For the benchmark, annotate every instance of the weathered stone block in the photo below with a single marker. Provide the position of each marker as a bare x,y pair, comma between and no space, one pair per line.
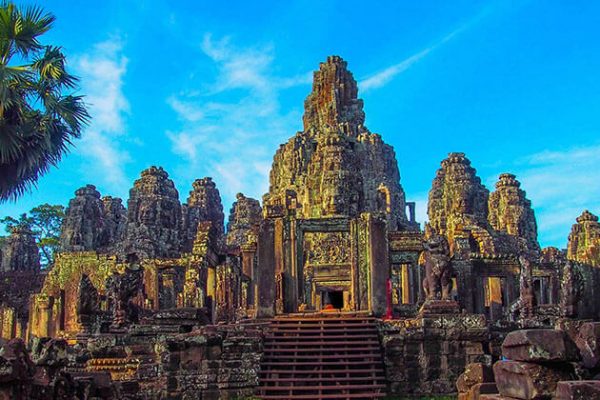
588,342
482,388
527,381
577,390
474,373
539,345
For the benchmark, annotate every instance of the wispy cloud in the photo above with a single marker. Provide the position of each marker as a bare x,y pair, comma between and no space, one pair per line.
384,76
561,184
232,126
102,71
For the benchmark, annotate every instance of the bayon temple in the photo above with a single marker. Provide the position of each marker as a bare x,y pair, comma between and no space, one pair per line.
327,288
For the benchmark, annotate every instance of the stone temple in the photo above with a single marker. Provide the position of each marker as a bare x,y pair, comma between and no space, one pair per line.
328,288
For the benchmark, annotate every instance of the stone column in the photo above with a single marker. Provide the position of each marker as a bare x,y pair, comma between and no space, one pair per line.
380,265
495,297
464,274
406,284
45,304
266,270
248,255
8,321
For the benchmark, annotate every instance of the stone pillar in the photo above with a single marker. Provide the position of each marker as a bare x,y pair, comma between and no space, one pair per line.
167,296
248,256
266,270
380,267
464,274
495,297
8,322
45,305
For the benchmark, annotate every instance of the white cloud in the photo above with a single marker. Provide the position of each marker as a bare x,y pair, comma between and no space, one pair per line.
185,110
384,76
232,126
102,71
560,185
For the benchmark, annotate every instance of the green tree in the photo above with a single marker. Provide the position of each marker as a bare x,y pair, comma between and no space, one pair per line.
45,222
38,120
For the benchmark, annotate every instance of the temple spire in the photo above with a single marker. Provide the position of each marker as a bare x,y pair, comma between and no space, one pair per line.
334,101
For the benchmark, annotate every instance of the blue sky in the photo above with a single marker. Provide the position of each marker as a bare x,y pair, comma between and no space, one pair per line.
210,89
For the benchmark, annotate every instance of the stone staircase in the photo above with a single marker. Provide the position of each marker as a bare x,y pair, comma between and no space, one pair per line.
322,357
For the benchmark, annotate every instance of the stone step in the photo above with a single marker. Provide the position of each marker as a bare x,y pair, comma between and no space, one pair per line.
315,363
364,395
323,330
298,343
268,381
372,372
354,349
320,337
317,357
322,357
322,388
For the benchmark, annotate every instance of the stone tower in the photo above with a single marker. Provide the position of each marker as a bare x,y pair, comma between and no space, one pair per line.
336,166
584,240
83,222
460,206
244,218
153,216
92,223
203,204
458,201
20,252
115,222
510,211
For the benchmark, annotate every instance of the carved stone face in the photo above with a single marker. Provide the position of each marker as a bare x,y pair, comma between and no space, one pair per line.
463,202
332,198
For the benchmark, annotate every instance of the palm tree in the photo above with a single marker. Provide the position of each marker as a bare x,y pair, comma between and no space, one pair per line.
38,120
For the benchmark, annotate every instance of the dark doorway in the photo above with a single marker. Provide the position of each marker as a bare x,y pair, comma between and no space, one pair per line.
335,298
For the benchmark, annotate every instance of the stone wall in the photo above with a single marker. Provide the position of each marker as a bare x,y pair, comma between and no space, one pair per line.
425,356
211,362
54,308
43,373
16,289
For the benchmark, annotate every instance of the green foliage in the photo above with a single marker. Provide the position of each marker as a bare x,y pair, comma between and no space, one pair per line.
37,120
44,221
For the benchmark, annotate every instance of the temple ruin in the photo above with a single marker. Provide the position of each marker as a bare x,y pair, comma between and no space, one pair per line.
162,299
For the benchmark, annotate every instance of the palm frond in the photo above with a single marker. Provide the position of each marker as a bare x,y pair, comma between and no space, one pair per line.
38,122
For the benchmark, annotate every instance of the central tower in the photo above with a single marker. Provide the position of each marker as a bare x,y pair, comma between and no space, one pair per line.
334,194
336,167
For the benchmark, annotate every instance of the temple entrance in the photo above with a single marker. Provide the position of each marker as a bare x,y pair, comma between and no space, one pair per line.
333,299
329,296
